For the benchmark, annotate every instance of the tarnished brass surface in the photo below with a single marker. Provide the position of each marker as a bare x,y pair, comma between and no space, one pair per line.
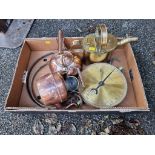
111,93
100,43
94,57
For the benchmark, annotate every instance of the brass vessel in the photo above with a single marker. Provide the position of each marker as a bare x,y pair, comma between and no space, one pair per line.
100,43
105,85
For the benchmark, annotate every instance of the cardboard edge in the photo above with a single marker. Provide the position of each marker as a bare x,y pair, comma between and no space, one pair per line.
122,110
44,38
142,86
13,77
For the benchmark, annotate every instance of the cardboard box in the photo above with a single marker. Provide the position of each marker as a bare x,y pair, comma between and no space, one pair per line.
19,100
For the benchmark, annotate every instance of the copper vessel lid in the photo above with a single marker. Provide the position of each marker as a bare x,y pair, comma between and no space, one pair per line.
111,93
63,60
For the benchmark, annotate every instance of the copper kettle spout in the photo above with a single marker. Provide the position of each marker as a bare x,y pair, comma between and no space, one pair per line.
127,40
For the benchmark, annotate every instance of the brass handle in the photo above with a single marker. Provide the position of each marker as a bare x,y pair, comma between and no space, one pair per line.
101,37
104,34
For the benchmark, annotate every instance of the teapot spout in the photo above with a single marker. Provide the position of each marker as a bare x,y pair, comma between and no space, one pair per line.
127,40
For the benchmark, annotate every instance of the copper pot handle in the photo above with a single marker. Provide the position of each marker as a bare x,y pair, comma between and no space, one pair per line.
60,41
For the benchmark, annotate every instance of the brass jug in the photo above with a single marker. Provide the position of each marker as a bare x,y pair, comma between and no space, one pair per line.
100,43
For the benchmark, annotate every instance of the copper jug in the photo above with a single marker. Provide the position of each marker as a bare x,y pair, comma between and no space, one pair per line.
64,61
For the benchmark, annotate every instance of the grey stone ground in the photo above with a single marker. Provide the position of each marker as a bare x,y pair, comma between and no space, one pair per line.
83,123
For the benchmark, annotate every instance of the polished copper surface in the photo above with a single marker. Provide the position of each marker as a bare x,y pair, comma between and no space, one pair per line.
64,61
52,89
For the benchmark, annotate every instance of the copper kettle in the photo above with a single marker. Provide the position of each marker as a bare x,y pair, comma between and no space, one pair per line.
53,88
64,61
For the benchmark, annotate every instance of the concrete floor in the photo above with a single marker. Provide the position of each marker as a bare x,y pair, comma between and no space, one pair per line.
144,50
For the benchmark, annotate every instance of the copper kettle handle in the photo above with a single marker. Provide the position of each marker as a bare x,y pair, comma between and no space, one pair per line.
60,41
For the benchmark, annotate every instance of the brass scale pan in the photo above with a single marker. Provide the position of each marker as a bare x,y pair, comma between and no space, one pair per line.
111,93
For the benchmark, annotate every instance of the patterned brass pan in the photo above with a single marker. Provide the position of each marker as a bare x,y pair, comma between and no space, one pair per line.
105,85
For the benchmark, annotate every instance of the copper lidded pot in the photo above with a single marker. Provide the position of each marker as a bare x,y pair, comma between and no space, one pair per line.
53,88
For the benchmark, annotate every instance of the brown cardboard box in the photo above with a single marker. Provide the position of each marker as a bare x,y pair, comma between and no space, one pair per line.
19,100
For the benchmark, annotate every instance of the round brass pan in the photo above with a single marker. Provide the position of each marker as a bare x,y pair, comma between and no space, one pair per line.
111,93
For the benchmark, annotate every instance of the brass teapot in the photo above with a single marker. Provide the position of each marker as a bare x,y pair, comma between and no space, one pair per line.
100,43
